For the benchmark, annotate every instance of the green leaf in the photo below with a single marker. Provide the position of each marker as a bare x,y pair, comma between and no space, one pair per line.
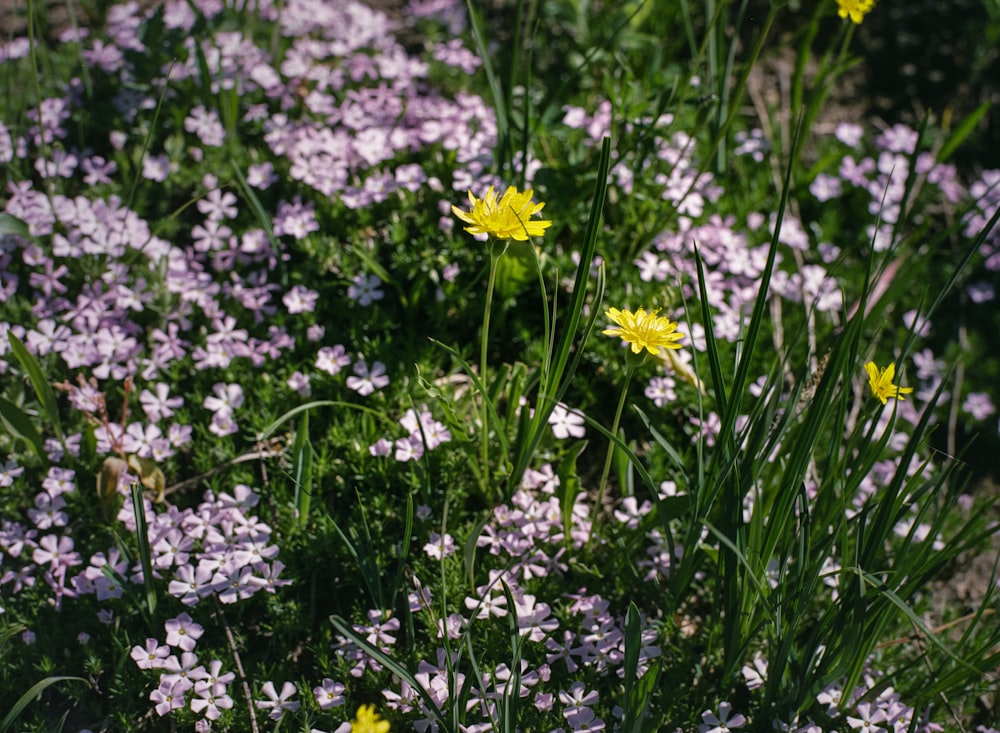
12,225
19,425
33,693
43,390
145,554
961,132
302,454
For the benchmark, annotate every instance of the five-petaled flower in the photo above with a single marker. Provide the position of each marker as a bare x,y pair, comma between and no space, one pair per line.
508,217
856,9
880,381
366,720
642,330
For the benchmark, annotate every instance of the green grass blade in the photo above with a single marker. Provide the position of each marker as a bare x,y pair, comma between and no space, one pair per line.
20,426
964,129
43,390
145,555
33,693
302,455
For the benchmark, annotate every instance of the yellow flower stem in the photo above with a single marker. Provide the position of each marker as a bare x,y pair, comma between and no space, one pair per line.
629,371
496,248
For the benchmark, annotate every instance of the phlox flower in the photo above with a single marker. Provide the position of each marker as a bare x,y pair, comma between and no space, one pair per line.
506,217
183,632
212,698
439,546
228,397
329,694
566,423
721,723
880,382
331,359
48,511
159,405
151,656
367,380
365,289
300,300
57,552
8,472
168,696
867,719
978,405
299,383
277,703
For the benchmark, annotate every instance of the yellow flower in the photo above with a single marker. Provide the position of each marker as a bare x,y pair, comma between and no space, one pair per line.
856,9
366,720
644,330
508,217
880,381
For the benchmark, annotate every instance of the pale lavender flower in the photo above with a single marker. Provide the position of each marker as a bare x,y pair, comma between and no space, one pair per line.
8,472
981,292
849,133
439,546
825,187
156,167
211,698
168,696
368,380
151,656
867,719
160,405
329,694
300,300
566,423
183,632
277,703
661,391
978,405
331,359
228,397
366,289
721,723
206,125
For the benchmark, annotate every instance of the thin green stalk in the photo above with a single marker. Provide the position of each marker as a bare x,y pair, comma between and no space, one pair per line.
497,248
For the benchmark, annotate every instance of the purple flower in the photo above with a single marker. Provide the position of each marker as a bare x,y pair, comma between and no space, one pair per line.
721,723
151,656
566,423
329,694
277,703
205,124
331,359
365,289
300,300
979,405
168,696
368,380
183,632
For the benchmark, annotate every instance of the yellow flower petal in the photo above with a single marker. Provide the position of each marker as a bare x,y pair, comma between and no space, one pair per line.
642,330
508,217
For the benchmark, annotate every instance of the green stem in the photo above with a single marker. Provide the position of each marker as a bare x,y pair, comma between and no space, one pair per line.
496,251
630,370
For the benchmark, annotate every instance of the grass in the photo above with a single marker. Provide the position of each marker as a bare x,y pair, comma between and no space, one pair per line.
283,441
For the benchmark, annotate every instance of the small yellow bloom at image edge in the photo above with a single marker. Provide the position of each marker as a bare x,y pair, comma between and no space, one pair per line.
366,720
855,9
506,217
880,382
